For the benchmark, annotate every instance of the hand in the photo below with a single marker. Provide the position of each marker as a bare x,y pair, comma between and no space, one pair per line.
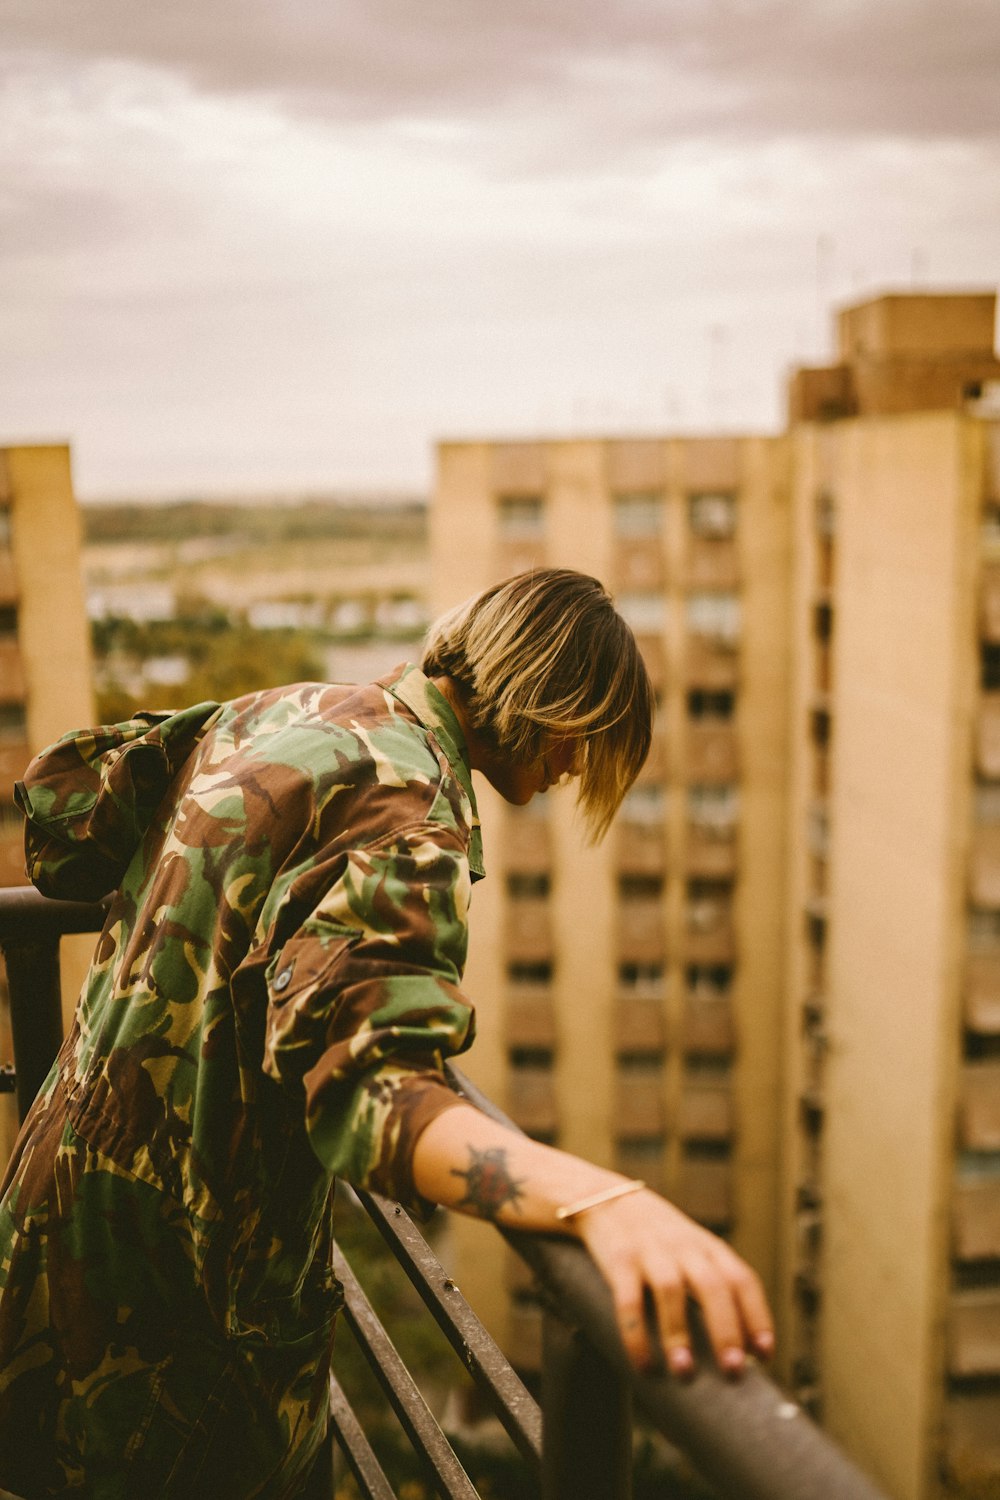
643,1243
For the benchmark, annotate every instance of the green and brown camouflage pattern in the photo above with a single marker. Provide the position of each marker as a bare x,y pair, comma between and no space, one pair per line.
268,1007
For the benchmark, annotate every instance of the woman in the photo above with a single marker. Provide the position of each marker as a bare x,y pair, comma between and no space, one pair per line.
268,1008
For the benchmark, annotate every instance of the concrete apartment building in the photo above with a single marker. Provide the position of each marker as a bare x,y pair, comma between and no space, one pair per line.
774,991
45,680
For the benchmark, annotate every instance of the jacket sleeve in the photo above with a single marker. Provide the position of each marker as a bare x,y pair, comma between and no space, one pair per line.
364,1003
89,798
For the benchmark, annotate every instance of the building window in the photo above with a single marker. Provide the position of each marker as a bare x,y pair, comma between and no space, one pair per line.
642,981
990,528
709,981
645,804
986,802
528,886
638,514
711,703
640,1065
826,514
983,930
521,517
990,660
712,513
714,807
716,614
640,887
5,526
709,904
642,1159
8,621
13,724
645,611
529,975
531,1057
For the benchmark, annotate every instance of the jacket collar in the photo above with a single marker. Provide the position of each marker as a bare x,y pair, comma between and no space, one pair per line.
435,713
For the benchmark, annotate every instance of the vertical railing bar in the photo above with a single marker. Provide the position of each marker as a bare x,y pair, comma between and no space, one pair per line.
513,1403
588,1419
360,1455
446,1472
36,1027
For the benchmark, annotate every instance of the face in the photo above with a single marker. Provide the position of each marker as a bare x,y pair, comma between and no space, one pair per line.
562,757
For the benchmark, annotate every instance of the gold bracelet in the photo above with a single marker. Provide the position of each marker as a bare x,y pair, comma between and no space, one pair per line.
619,1190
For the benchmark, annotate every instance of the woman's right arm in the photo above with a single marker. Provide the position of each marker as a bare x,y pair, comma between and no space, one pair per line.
640,1243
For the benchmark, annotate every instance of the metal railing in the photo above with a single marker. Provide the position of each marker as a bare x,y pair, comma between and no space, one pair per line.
745,1438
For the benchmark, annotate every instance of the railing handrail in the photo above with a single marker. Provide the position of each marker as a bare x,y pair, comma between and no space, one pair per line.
745,1436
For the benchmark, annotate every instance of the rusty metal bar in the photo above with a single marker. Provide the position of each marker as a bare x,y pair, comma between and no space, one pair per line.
588,1419
365,1467
418,1422
513,1403
33,969
29,940
745,1437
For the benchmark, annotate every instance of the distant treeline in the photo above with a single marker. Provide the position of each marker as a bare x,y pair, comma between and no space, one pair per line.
258,523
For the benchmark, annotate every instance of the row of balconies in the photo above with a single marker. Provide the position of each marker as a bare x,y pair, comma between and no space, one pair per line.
709,562
709,935
704,1111
8,578
705,1028
13,686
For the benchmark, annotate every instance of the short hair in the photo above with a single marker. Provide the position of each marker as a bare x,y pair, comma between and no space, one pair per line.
547,652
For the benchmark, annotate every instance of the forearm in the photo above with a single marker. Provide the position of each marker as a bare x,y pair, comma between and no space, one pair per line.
468,1162
641,1243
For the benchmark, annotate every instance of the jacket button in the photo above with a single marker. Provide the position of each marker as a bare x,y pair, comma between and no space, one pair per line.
283,980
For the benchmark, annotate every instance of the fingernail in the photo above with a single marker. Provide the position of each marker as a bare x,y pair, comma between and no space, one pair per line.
764,1343
732,1361
681,1361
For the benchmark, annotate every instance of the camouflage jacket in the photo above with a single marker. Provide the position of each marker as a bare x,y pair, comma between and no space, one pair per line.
267,1008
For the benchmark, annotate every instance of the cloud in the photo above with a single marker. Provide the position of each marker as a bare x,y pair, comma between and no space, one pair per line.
647,68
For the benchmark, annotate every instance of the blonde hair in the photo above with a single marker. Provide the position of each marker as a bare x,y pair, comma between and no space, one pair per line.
544,653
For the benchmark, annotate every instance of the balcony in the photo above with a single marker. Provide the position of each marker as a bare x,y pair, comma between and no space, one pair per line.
641,929
527,840
708,1027
974,1332
8,578
745,1438
988,735
709,938
529,1019
706,1113
712,753
975,1220
641,848
989,605
531,1100
639,1025
705,1191
984,866
529,930
979,1107
638,563
982,994
711,662
710,849
13,687
712,563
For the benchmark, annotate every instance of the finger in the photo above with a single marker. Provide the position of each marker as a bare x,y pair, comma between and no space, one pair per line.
630,1315
754,1310
670,1300
720,1309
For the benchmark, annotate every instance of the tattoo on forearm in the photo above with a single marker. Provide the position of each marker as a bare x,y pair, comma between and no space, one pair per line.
489,1186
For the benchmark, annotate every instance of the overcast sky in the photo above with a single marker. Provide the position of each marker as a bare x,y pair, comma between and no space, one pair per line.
287,244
